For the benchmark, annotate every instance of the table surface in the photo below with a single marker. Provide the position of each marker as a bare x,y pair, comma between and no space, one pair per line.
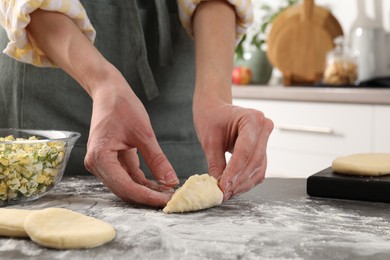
274,220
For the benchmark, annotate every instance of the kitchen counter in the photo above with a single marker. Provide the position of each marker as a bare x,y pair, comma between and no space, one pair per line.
274,220
316,94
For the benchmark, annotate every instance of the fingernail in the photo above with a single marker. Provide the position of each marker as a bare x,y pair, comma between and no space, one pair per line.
170,178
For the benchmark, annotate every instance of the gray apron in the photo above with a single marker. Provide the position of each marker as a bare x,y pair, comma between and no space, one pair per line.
146,42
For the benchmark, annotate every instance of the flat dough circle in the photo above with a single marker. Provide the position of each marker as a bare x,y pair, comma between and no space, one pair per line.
65,229
363,164
12,222
197,193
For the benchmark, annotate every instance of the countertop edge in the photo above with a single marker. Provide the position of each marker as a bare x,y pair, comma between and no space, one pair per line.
372,96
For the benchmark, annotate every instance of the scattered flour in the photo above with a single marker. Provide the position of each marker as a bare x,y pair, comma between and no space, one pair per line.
238,229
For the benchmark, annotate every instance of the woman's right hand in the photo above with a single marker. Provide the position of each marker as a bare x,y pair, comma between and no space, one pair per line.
119,124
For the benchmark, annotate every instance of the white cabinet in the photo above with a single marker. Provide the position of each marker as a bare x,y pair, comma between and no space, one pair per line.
309,135
382,128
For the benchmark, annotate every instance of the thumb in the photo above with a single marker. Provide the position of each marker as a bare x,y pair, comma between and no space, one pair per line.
216,162
158,163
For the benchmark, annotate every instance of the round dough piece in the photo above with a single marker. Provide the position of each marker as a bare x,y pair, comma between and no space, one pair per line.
197,193
65,229
363,164
12,222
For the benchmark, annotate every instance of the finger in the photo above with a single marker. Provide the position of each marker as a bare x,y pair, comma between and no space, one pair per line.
215,155
158,163
243,149
117,180
255,179
216,163
130,162
241,167
254,169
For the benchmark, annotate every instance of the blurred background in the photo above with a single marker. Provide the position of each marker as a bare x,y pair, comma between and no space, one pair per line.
362,47
350,13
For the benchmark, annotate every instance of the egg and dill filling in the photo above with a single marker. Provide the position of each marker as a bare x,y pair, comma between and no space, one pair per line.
27,169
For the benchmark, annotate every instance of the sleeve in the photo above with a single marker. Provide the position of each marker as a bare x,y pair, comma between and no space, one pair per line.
15,16
243,9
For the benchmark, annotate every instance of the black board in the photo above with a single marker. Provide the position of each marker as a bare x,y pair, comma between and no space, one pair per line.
328,184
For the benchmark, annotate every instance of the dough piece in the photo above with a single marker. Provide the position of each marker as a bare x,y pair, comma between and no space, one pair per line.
197,193
12,222
65,229
364,164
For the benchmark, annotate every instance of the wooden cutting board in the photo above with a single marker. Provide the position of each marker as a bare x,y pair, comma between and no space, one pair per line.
328,184
299,40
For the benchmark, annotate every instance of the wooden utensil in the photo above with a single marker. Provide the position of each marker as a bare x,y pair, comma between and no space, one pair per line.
298,42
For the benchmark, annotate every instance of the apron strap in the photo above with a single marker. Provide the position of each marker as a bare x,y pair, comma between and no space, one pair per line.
165,46
164,33
146,74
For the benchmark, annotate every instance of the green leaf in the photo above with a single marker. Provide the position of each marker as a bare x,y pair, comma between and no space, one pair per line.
268,17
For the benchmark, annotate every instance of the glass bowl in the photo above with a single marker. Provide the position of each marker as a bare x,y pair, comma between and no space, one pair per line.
32,162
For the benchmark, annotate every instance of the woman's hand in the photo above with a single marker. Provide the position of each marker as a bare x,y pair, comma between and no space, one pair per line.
119,124
220,126
223,127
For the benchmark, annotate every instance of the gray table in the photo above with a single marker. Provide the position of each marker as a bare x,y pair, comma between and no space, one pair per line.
275,220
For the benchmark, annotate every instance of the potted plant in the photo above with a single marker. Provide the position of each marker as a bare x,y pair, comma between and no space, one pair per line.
251,50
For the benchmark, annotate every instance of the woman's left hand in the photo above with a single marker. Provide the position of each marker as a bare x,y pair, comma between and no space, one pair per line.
223,127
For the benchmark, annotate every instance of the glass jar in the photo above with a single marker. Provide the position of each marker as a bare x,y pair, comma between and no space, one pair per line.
341,65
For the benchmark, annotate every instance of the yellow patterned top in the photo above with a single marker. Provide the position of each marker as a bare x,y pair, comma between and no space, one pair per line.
15,16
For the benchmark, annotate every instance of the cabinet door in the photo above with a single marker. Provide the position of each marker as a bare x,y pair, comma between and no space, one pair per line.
382,129
308,136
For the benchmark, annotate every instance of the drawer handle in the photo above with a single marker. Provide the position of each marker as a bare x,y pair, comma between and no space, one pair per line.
305,128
